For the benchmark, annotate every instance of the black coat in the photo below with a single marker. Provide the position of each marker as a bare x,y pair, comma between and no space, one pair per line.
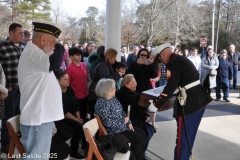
142,74
137,114
102,70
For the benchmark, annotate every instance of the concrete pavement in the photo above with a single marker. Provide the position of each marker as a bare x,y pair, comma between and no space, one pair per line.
218,137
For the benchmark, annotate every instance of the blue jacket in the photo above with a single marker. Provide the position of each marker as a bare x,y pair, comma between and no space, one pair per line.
131,59
225,69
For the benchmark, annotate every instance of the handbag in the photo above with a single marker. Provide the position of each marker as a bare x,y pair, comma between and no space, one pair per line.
106,148
213,72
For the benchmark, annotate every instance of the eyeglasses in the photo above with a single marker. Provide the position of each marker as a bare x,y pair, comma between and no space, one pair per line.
143,55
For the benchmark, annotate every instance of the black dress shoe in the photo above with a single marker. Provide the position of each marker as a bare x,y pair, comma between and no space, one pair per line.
217,99
227,100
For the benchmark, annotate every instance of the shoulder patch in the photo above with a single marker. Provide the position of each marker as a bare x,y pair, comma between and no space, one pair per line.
169,74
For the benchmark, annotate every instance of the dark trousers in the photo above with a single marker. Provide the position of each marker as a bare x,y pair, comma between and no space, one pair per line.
78,133
181,151
206,85
235,75
59,149
11,110
136,141
83,105
224,84
143,134
150,132
92,104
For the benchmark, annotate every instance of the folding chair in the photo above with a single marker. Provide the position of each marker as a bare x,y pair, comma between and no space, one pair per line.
90,130
101,131
16,147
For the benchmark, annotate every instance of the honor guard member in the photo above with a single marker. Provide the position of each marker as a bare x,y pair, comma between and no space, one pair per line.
182,74
41,96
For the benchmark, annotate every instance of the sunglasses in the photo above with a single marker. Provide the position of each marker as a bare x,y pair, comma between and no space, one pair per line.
143,55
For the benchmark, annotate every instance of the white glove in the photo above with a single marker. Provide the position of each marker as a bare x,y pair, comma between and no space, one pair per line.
151,107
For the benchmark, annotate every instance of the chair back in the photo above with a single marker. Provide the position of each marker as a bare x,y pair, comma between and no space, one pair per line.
15,147
92,126
102,131
90,129
14,123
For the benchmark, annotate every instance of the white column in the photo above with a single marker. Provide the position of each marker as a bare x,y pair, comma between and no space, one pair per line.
213,20
113,26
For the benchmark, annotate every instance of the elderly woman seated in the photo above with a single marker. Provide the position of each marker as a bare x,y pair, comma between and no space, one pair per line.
127,96
113,117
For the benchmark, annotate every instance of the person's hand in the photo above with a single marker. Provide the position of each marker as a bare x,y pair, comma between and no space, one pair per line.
79,120
126,119
149,61
3,96
155,79
147,118
130,127
140,61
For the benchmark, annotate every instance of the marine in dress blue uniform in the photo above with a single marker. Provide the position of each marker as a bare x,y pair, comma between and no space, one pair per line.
181,72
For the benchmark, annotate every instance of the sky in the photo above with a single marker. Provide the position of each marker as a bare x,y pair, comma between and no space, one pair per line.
77,8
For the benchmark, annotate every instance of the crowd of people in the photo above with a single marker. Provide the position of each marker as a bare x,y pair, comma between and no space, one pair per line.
56,86
216,70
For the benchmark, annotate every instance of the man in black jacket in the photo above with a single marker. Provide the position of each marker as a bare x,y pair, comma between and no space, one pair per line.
192,108
234,58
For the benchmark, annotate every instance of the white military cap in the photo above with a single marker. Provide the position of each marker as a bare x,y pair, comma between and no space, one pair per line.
160,48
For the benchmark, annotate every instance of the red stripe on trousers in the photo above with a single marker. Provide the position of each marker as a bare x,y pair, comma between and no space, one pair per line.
179,136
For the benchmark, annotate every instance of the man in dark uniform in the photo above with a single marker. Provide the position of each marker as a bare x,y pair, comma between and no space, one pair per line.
182,73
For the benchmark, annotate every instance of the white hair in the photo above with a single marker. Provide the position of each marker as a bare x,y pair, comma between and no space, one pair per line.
104,87
232,46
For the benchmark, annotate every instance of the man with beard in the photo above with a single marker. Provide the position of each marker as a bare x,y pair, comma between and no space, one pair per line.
41,97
